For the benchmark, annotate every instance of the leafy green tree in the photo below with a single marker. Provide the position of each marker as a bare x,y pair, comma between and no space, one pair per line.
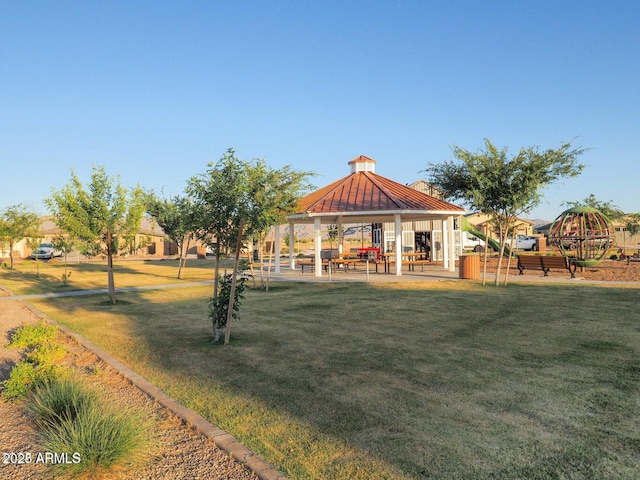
65,245
219,196
100,217
33,242
236,198
608,209
632,224
221,200
274,194
16,223
503,186
177,218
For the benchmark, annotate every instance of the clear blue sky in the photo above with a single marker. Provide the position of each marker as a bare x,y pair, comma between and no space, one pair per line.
155,90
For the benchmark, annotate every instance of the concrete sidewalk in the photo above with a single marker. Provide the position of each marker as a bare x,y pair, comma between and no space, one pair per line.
431,273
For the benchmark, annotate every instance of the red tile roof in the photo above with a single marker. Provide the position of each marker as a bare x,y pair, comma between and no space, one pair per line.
367,192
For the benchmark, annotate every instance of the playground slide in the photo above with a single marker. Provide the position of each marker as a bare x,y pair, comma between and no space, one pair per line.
467,227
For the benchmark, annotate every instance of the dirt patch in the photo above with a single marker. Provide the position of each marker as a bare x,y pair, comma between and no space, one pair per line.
607,270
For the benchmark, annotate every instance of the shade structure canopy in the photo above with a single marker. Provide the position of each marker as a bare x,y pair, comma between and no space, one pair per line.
366,197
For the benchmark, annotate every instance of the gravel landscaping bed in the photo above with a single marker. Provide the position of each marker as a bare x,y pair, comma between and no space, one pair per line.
179,452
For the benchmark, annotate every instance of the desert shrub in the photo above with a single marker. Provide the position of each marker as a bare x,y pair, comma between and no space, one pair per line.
102,438
30,336
21,377
46,353
26,376
219,306
59,399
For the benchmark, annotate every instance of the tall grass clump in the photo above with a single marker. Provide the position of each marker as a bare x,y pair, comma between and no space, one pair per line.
70,418
58,400
30,336
103,439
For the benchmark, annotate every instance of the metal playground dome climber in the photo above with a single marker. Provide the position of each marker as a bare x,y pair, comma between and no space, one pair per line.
582,233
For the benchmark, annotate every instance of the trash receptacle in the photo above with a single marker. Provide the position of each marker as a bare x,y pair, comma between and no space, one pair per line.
469,266
256,256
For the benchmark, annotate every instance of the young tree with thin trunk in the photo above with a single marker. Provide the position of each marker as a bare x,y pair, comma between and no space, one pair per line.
99,217
274,195
176,217
220,198
236,199
503,186
18,222
65,245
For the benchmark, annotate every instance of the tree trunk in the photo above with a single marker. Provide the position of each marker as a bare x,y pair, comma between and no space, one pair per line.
502,236
112,289
261,259
251,269
216,273
271,250
66,276
486,254
11,255
513,238
182,262
232,295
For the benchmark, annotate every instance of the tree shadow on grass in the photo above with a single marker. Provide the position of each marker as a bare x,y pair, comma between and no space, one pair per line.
434,382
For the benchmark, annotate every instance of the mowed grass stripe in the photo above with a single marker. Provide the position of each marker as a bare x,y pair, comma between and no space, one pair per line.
439,380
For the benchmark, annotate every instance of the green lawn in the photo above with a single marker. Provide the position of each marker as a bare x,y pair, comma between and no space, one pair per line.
433,380
28,278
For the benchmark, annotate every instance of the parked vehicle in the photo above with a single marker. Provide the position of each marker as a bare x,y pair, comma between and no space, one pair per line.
523,242
471,242
46,251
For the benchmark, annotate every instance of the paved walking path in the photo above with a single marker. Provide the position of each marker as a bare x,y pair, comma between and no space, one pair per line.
430,274
98,291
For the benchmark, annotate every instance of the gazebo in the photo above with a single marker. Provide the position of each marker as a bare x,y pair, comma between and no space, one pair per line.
365,197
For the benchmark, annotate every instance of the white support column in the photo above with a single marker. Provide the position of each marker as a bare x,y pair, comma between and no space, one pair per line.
445,244
459,250
292,245
452,244
277,249
340,237
398,226
317,246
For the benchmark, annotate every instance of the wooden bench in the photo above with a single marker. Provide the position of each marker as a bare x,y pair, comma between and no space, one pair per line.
412,264
546,263
335,263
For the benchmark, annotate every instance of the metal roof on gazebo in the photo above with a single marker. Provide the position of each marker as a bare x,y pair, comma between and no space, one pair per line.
365,196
